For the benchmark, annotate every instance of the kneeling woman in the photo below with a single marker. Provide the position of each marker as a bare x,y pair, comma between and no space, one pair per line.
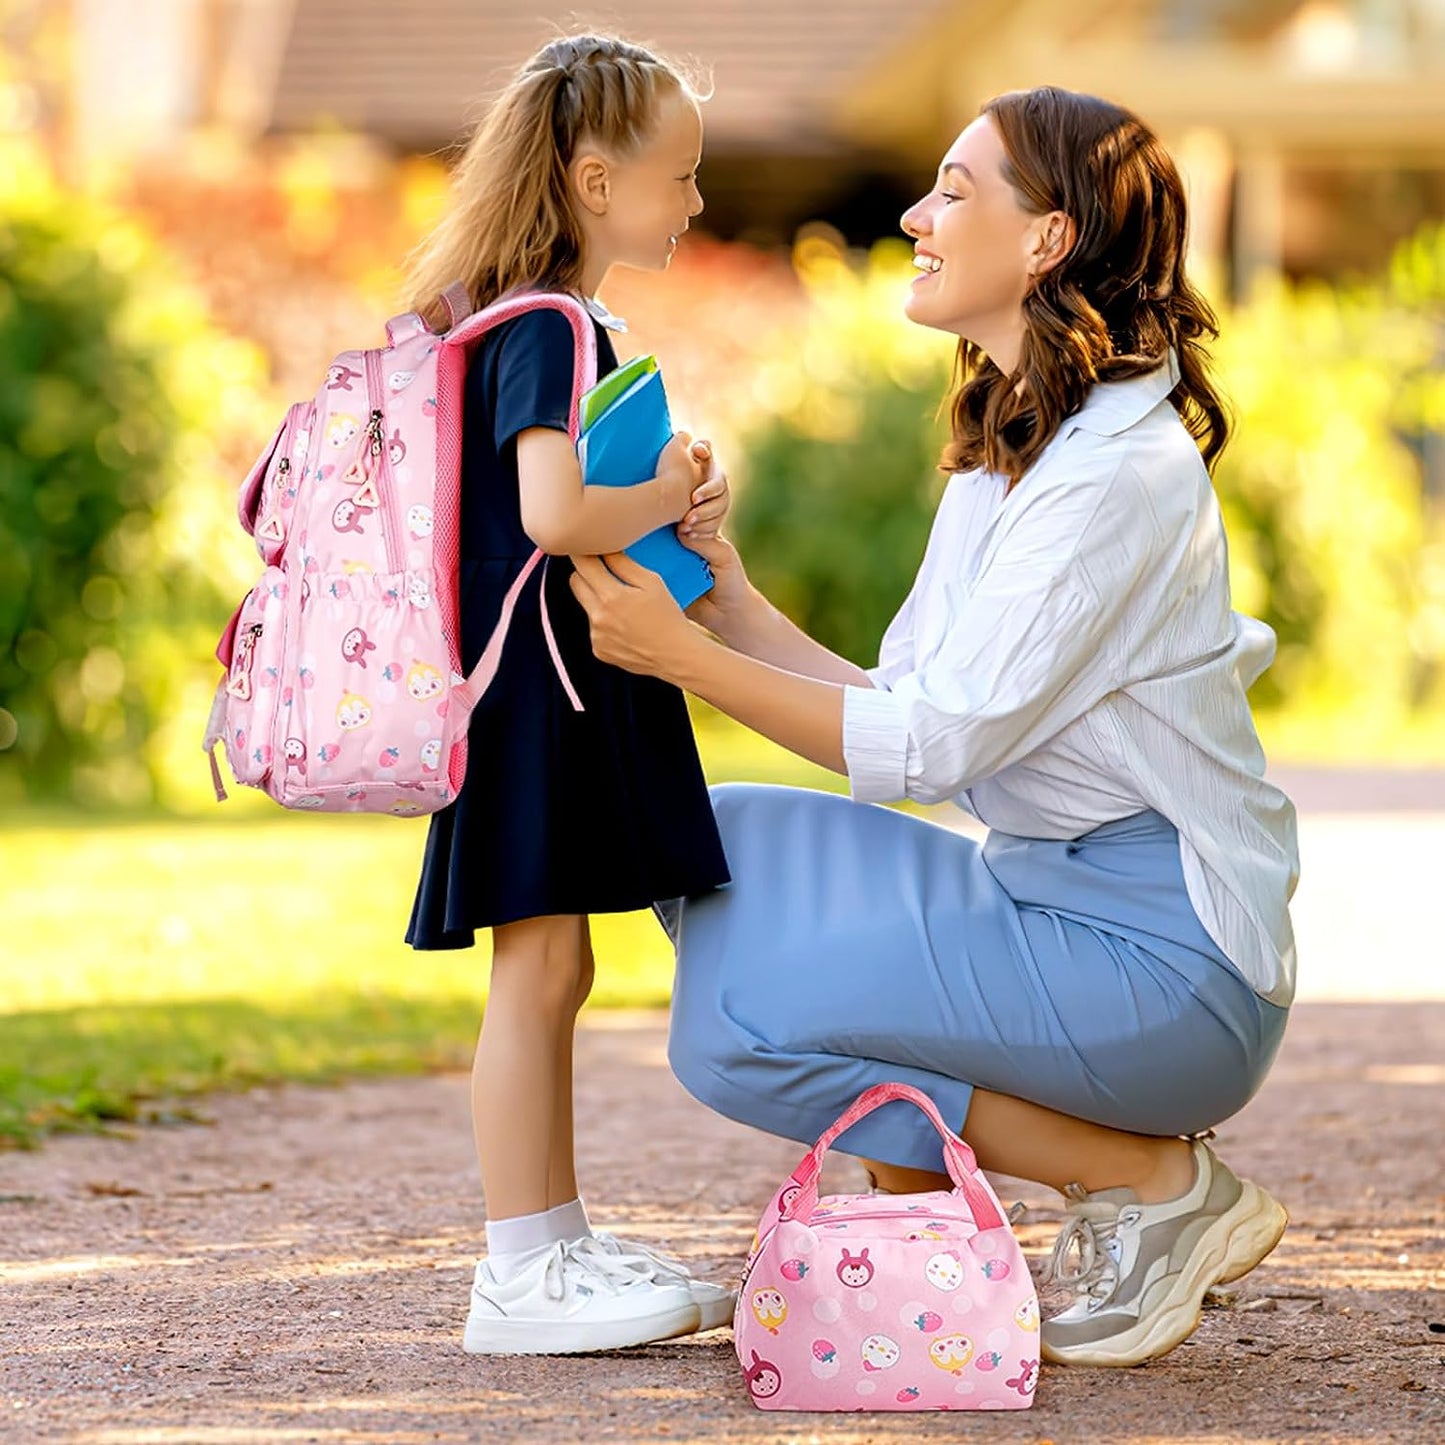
1109,973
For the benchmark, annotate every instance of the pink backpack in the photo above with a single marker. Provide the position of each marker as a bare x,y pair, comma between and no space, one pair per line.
343,689
888,1302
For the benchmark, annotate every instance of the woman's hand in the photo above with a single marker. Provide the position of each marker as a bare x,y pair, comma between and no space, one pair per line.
635,623
710,502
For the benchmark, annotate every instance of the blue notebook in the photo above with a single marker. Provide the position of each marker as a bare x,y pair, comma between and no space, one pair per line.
625,426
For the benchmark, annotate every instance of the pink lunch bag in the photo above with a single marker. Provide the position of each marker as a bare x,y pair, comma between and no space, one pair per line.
888,1302
343,689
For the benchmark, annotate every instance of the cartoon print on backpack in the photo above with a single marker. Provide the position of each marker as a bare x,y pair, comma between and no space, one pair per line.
423,681
855,1270
341,428
431,755
879,1352
352,712
355,645
419,522
296,756
339,376
764,1379
347,517
1026,1317
418,591
770,1309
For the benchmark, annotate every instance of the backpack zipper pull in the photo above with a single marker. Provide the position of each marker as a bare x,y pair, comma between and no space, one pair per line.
240,684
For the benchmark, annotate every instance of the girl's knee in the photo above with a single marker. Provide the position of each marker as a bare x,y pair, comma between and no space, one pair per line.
546,959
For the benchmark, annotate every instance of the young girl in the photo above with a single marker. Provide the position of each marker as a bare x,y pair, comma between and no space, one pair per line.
587,160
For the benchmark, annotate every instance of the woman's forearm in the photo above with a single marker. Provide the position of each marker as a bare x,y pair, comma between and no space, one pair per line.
764,633
803,714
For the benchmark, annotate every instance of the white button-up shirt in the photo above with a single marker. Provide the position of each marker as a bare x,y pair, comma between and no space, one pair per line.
1068,657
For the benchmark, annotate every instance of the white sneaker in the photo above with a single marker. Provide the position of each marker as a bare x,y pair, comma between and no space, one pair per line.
568,1302
715,1302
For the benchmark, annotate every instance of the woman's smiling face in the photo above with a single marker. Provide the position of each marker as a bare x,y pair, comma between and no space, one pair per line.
976,246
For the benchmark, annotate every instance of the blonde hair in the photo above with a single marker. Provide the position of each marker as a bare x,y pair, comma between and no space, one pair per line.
510,224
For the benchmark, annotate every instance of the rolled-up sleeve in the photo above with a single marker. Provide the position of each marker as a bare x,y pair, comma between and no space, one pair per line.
1029,648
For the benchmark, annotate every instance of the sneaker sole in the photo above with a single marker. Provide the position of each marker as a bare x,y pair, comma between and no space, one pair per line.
510,1337
715,1316
1232,1247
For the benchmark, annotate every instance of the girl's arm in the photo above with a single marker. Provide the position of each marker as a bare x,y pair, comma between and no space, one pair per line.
636,625
562,516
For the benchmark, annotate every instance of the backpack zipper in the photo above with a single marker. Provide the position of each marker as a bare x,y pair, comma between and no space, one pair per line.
380,467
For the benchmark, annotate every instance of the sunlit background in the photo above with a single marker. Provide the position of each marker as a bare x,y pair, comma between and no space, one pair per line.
202,200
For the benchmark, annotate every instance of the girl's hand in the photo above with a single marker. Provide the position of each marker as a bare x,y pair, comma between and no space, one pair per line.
679,475
710,502
635,623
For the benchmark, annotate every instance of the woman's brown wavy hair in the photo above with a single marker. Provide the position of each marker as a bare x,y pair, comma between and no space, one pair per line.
1112,308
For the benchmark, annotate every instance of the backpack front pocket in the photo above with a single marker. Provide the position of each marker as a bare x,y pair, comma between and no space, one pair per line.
253,679
370,711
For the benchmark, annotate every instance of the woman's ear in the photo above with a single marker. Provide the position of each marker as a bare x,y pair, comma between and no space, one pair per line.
1054,234
592,183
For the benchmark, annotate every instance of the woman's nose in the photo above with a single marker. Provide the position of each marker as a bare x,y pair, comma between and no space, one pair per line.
915,221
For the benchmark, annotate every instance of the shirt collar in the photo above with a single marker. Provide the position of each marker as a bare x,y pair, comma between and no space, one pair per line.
1115,406
602,316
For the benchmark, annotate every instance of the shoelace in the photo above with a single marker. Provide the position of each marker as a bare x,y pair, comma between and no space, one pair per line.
1089,1226
642,1262
613,1272
617,1272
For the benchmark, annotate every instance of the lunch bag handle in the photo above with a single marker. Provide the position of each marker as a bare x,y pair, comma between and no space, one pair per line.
957,1156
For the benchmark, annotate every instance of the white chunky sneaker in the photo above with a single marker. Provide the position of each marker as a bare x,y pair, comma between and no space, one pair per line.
1142,1270
571,1301
715,1302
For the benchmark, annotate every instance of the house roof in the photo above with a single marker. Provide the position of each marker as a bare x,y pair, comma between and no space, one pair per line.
417,73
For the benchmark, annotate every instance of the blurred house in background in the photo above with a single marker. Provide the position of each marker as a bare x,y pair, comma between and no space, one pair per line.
1312,131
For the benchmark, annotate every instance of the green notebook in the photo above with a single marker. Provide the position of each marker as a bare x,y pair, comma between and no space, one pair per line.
596,401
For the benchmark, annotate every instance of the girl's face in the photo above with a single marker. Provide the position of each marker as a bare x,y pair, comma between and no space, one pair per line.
649,198
977,247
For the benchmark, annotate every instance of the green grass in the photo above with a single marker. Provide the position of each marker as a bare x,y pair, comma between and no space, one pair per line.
147,961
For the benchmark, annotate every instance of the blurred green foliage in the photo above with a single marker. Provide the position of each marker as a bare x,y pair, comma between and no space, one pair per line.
1333,540
115,393
840,478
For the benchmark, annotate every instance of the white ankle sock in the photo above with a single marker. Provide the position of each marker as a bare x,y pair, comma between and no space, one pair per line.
570,1220
512,1242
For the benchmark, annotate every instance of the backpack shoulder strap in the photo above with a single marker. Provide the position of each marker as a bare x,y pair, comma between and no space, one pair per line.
451,374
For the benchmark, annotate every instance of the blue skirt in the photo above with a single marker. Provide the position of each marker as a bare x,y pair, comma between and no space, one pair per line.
857,944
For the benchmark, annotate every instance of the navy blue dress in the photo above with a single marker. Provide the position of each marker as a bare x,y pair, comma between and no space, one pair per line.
562,812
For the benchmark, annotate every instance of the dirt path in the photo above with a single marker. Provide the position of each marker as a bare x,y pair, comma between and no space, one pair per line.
299,1270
